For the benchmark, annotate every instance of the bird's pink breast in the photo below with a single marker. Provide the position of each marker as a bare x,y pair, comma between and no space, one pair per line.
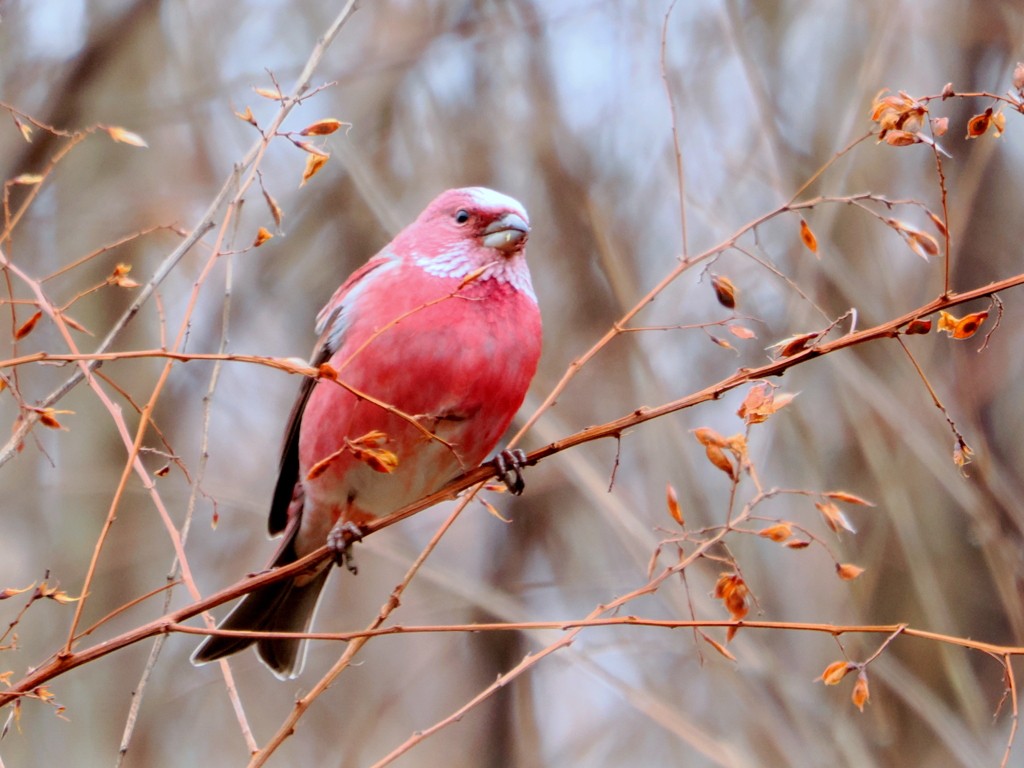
462,365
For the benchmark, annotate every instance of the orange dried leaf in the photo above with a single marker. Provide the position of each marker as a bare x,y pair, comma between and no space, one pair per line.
75,324
834,517
26,130
741,332
27,326
725,291
11,592
326,371
313,164
849,498
969,325
48,419
778,532
919,327
120,277
978,124
3,385
947,322
378,459
940,125
261,237
798,544
794,344
808,238
717,457
126,137
493,510
939,223
322,127
673,505
27,178
848,572
163,471
269,93
900,138
275,209
719,647
860,691
707,436
835,672
924,245
247,116
761,402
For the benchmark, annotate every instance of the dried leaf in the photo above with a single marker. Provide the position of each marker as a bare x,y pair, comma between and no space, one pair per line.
924,245
778,532
27,326
969,325
999,123
313,164
808,237
707,436
836,671
261,237
719,647
275,209
673,505
74,324
48,419
978,124
947,91
720,460
312,148
326,371
733,591
798,544
722,343
11,592
269,93
947,322
939,223
761,402
741,332
962,453
492,509
120,277
126,137
27,178
1018,76
26,130
900,138
860,691
322,127
247,116
834,517
725,291
940,125
918,327
794,344
163,471
849,498
848,572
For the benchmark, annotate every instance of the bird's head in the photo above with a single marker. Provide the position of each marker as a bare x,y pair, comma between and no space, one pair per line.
463,230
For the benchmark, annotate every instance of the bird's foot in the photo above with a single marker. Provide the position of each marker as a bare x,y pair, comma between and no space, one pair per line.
339,543
509,464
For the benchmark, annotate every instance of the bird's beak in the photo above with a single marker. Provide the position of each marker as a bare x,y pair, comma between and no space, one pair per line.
506,233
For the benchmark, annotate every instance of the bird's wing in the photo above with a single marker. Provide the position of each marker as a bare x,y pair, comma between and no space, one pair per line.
331,323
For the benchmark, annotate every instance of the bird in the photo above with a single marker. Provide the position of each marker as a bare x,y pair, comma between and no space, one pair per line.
437,338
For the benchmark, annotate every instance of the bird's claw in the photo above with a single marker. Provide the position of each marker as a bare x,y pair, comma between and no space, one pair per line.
339,543
509,464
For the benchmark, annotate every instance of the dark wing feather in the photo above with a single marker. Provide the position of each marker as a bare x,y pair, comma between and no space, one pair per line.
331,331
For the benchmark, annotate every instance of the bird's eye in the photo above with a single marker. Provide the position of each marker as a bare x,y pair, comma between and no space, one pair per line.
462,217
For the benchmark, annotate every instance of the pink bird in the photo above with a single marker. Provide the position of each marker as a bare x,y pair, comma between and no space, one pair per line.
444,326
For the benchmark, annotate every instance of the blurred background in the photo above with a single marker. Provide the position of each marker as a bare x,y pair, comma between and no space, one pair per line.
561,104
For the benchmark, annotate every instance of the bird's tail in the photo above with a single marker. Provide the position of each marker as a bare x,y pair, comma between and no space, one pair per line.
283,606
